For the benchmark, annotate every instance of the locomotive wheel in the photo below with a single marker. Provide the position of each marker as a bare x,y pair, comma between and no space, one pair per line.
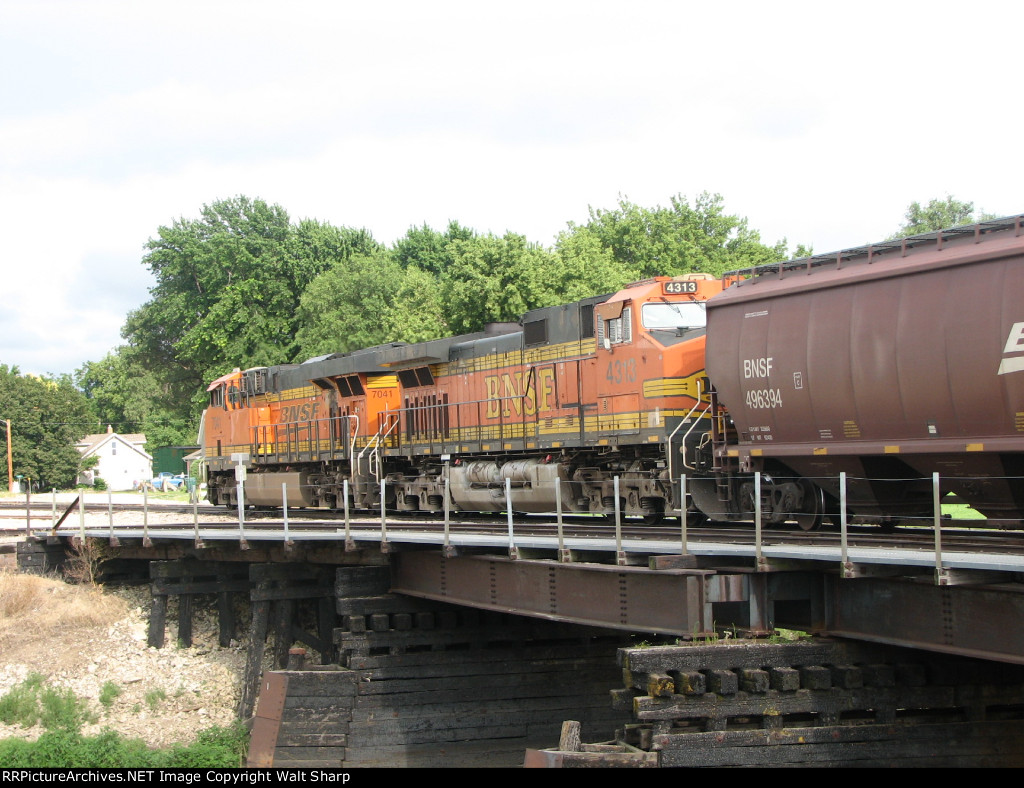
654,510
812,515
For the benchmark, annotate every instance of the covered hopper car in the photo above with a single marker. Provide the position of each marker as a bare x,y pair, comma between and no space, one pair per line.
888,363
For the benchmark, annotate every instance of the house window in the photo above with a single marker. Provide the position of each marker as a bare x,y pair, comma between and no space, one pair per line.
113,447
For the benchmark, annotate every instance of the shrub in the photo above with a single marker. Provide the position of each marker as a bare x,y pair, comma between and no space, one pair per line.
34,702
214,747
154,698
108,693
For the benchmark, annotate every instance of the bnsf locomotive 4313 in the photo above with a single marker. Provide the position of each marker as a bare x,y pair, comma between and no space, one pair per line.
574,396
888,362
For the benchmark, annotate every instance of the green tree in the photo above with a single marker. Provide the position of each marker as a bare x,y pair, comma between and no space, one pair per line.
678,239
227,294
347,307
126,395
427,248
496,279
586,267
938,215
417,312
48,416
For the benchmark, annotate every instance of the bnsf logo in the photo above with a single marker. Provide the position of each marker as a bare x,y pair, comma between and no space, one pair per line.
305,412
1014,344
506,390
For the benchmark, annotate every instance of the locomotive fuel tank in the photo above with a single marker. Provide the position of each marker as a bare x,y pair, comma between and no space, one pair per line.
890,363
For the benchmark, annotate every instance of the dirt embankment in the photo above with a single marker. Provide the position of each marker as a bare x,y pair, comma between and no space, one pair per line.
85,638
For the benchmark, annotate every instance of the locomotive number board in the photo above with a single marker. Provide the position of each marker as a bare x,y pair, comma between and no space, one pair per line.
676,288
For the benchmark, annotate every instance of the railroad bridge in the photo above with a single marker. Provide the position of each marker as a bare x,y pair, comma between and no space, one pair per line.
402,642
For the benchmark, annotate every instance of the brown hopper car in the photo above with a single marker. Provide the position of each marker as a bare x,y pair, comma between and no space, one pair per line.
890,363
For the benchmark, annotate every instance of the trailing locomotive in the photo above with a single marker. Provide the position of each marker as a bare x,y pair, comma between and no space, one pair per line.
887,363
559,405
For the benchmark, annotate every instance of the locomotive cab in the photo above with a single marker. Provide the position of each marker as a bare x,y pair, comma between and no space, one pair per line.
648,383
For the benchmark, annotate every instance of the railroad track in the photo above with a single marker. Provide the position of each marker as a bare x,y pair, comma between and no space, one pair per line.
308,522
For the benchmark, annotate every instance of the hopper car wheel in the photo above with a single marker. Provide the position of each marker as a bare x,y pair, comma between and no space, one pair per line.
813,513
695,516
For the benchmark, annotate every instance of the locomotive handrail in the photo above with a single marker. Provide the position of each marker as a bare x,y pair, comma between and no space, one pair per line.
285,439
696,421
477,430
703,413
375,443
353,434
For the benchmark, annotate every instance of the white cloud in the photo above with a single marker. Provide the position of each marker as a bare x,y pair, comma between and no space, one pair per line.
819,124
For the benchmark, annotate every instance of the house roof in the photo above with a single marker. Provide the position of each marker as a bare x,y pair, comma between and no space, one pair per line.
90,444
91,440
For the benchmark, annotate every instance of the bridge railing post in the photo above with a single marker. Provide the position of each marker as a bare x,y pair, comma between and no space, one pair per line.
941,575
564,556
113,540
284,513
513,551
685,550
195,521
349,544
844,547
448,551
240,495
758,556
383,515
620,555
81,521
146,541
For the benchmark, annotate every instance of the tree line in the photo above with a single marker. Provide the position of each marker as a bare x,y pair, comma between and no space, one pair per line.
242,286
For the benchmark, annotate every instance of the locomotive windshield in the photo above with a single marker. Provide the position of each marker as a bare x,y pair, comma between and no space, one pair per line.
672,316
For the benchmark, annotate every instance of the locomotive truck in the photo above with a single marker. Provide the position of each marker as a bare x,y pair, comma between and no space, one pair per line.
887,363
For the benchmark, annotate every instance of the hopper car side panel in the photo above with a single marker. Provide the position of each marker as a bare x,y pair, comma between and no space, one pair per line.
891,364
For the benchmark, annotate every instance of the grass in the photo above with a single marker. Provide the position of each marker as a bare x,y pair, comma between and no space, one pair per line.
154,698
33,702
108,693
961,511
33,605
214,748
33,608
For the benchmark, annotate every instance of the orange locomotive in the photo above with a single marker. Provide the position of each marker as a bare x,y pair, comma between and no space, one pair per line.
556,407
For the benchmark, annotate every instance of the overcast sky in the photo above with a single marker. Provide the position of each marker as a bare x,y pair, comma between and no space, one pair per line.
818,122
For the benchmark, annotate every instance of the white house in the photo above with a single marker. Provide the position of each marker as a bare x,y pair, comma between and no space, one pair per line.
123,462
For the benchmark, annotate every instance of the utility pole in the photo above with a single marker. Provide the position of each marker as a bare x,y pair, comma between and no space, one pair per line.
10,463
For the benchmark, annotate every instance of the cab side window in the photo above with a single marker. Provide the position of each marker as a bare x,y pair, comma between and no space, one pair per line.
618,330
